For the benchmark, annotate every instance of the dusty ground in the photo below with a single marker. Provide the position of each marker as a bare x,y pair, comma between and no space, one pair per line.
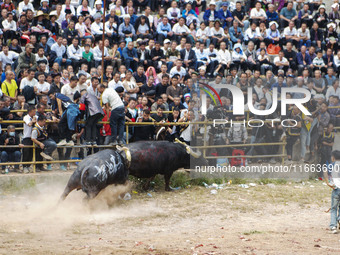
266,219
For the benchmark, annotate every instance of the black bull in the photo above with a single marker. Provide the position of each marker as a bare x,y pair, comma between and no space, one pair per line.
143,159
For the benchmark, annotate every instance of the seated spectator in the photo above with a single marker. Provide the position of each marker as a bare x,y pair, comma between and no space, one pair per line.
217,34
304,60
305,16
317,36
290,34
334,110
164,30
280,63
272,15
144,132
126,30
273,34
10,154
288,14
59,54
318,62
257,14
236,34
333,91
211,14
70,33
303,36
225,15
46,145
321,17
240,16
9,27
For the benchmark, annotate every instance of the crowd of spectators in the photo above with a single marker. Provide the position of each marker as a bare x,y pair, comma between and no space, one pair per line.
154,58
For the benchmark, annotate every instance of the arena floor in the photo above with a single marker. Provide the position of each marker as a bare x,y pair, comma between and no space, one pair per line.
275,218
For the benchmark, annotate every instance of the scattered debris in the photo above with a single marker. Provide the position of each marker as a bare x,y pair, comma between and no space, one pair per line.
213,192
271,185
214,186
149,195
245,186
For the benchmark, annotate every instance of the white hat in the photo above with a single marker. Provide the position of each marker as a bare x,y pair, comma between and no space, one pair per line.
44,1
127,16
273,22
122,76
212,3
53,13
97,16
322,6
332,24
166,41
335,5
98,2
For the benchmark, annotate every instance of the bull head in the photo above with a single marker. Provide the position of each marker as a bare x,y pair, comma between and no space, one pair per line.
188,149
127,154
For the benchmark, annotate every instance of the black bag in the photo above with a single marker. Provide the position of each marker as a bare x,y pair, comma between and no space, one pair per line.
28,93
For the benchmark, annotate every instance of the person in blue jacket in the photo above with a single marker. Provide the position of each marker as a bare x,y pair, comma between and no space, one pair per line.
272,15
211,14
225,15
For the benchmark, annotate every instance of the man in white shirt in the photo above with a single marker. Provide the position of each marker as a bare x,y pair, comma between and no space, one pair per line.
9,27
202,56
42,87
113,102
290,34
224,59
303,36
257,14
178,69
29,121
70,89
181,30
83,84
97,55
97,27
75,53
7,56
115,83
280,62
333,90
25,5
29,81
58,50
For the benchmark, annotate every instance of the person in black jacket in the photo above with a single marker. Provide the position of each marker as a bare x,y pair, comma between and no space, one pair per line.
144,132
70,33
144,56
317,36
290,55
157,56
188,56
10,154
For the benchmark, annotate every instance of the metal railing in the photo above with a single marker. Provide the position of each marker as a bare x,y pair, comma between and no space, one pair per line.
205,147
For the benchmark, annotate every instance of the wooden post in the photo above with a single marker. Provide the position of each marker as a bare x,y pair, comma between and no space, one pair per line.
33,158
103,38
127,132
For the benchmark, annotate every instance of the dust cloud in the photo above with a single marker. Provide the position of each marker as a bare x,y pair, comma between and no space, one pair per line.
37,211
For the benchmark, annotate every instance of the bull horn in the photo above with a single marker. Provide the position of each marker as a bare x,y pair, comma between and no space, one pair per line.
188,149
193,153
127,154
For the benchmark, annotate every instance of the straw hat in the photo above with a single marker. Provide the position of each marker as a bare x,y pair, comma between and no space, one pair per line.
41,13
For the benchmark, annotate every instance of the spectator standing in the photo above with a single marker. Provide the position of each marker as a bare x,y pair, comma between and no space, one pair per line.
113,102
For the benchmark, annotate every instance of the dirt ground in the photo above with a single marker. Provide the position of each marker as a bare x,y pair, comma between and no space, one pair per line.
266,219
